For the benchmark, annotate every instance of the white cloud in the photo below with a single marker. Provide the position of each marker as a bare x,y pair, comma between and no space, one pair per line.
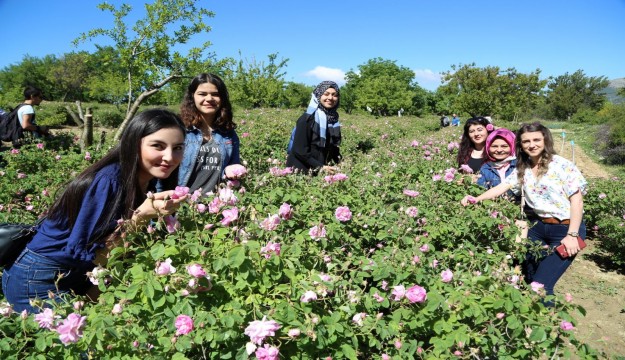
427,78
323,73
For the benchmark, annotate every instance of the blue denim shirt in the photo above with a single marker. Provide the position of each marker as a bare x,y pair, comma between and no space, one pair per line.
489,176
228,143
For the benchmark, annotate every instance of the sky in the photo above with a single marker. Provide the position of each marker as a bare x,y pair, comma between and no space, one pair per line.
325,40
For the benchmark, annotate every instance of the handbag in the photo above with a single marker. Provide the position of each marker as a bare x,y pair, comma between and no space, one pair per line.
561,249
13,239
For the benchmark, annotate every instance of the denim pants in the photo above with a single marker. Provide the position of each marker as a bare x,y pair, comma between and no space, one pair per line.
33,276
548,269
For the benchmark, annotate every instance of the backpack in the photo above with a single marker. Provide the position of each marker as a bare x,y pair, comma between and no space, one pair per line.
10,127
290,145
445,121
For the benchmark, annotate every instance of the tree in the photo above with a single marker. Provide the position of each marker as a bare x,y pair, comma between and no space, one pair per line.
570,93
490,91
382,86
257,84
30,71
69,75
148,53
297,95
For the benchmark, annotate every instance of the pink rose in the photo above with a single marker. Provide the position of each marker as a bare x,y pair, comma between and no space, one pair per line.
316,232
566,326
179,192
399,292
416,294
230,216
172,224
46,319
410,193
258,330
308,296
490,127
343,213
285,211
267,352
165,268
196,271
70,329
270,223
447,276
184,325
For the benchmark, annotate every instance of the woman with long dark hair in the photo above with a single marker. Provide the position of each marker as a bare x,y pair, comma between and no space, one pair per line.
553,188
471,152
317,134
211,143
82,221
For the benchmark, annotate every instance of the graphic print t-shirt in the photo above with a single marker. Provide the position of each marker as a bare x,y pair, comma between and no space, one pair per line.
207,171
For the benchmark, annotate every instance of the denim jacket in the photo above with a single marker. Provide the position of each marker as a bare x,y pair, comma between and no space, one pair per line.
228,142
489,176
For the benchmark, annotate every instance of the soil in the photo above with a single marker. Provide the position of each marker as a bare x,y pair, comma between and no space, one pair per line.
595,286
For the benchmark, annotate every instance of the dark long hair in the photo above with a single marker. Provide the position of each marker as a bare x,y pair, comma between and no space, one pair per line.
523,160
127,154
466,146
191,116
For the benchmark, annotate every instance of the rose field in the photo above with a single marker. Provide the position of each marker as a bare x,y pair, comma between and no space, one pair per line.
379,261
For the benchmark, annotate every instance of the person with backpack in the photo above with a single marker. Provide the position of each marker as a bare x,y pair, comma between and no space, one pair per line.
26,112
317,135
445,121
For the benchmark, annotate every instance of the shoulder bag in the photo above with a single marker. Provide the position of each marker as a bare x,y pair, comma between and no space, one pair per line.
13,239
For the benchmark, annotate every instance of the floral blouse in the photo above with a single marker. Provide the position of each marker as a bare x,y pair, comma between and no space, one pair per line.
549,196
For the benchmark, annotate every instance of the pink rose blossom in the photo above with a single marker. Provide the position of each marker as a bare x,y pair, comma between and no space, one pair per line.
15,151
269,249
21,175
293,333
410,193
245,134
70,329
398,344
416,294
285,211
230,215
343,213
424,248
184,325
270,223
46,319
215,205
258,330
359,318
490,127
227,196
602,196
196,271
412,211
378,297
537,287
566,326
87,156
275,171
165,268
317,232
40,146
471,199
466,169
201,208
308,296
568,297
447,276
179,192
58,157
399,292
436,177
117,309
267,352
500,316
172,224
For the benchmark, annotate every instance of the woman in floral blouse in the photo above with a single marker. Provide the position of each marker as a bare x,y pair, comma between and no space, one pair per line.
553,187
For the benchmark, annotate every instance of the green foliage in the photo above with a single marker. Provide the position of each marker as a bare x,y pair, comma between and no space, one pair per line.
256,84
108,117
570,93
383,87
489,91
585,116
393,238
52,114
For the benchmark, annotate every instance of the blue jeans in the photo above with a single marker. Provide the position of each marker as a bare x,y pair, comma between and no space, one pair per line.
548,269
32,276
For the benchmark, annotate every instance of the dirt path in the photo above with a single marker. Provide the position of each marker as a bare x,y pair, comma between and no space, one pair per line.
600,291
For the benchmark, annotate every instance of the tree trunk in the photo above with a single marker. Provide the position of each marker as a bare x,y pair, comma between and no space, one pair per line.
87,133
132,110
78,119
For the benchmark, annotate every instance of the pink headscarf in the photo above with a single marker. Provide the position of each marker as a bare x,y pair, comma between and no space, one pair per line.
505,134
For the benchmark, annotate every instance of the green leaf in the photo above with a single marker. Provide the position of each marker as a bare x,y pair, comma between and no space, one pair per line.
349,352
236,256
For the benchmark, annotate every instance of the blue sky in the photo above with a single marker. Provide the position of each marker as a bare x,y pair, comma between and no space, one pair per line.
328,39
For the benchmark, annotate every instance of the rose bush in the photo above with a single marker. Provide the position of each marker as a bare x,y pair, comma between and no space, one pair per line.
378,261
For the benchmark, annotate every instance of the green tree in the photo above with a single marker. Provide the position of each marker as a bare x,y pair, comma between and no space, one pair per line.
30,71
148,51
490,91
69,75
297,95
570,93
382,86
258,84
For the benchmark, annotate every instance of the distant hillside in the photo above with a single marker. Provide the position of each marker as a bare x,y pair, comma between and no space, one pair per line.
612,89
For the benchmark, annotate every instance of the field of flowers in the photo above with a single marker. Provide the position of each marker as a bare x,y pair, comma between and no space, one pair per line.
379,261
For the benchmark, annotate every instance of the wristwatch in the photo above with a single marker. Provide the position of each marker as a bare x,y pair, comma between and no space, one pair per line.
573,233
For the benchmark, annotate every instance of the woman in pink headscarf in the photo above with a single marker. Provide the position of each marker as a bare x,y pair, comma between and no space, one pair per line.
501,160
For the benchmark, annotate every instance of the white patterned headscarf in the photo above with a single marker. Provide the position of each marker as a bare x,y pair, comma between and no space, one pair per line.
326,120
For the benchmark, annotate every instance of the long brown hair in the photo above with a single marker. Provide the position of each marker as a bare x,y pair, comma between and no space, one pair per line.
191,116
466,145
524,162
